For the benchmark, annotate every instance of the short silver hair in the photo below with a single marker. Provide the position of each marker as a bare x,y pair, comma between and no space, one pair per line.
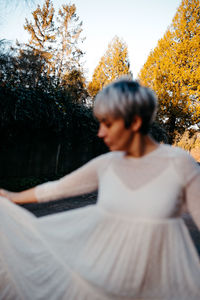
126,99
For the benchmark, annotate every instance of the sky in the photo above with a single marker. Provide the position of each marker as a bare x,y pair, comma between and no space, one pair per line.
140,23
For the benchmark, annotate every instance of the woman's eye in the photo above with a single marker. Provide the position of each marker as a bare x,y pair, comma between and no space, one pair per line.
106,124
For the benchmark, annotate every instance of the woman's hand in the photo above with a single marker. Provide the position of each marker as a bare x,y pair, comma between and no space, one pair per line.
27,196
12,196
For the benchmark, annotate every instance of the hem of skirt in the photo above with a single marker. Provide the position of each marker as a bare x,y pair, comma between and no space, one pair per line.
97,293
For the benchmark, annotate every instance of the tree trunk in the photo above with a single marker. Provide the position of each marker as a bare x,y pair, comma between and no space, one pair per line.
57,158
171,124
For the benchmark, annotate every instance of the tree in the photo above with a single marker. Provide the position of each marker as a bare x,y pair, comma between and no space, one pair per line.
68,53
42,32
189,141
56,39
23,68
75,83
113,64
172,70
186,141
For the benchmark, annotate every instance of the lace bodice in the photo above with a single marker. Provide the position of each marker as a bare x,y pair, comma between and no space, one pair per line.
158,185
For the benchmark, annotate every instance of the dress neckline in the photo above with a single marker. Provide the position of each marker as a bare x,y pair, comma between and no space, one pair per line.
149,154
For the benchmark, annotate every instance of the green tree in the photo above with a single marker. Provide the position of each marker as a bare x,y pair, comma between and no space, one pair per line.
172,70
23,68
113,64
74,82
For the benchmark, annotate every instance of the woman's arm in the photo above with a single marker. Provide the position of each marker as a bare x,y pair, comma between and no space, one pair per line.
188,171
83,180
193,199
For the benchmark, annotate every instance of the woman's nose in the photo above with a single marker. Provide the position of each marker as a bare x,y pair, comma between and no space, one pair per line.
102,131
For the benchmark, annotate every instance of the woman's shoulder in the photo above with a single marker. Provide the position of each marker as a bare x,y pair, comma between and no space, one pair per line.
185,165
178,155
164,150
104,160
173,152
111,155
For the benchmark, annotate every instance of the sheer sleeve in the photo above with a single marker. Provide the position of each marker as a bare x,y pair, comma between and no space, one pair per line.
193,199
83,180
189,172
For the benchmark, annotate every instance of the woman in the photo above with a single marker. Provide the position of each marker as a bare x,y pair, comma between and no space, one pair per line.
133,243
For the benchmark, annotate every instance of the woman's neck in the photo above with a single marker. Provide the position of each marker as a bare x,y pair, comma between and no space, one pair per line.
141,145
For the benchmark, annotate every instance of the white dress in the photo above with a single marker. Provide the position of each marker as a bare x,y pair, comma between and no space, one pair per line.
131,245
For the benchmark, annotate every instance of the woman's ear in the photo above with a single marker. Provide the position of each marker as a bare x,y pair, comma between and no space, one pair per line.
136,124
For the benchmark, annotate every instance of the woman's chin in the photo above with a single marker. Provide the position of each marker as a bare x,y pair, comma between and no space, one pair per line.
113,148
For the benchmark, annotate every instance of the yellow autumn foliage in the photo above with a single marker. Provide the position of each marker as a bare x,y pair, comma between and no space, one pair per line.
42,30
113,64
172,69
57,43
189,141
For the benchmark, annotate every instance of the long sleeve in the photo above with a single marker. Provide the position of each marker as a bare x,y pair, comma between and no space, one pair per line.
83,180
192,191
189,171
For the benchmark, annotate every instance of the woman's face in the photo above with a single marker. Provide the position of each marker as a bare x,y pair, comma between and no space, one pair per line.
114,134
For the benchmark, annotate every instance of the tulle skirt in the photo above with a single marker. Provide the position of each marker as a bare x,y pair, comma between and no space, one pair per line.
90,254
